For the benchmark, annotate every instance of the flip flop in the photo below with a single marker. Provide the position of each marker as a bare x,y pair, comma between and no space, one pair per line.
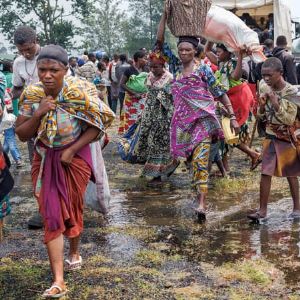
256,217
295,215
61,292
201,215
256,163
75,265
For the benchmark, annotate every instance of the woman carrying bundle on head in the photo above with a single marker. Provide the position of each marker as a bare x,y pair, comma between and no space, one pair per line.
194,124
239,93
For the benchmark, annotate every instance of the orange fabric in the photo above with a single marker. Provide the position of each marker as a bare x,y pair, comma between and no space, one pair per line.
242,100
77,176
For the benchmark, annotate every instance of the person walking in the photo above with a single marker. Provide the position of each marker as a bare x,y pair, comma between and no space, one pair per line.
62,165
134,99
88,70
278,107
123,65
24,74
10,143
239,93
114,82
287,60
194,124
153,146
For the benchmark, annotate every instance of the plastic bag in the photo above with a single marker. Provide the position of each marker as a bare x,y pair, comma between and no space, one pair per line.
137,83
97,195
127,144
222,26
8,120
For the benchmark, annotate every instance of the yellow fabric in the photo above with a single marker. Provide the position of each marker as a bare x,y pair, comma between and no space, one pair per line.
78,97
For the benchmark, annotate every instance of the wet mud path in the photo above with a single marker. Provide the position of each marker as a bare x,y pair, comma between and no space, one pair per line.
150,247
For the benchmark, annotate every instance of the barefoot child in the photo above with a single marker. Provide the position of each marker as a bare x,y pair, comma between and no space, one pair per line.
281,148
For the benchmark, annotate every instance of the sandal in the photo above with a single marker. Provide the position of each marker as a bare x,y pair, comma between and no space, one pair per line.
255,217
75,265
295,215
201,215
61,292
256,163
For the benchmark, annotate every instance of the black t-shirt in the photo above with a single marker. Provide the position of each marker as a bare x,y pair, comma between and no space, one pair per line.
131,71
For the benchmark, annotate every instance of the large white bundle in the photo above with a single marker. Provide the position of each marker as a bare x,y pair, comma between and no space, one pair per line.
222,26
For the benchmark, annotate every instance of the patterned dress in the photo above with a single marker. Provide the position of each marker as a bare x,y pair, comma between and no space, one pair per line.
154,141
59,189
195,123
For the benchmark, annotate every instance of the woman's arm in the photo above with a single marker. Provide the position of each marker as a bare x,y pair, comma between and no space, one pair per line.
233,122
86,138
124,80
160,38
210,54
26,127
238,72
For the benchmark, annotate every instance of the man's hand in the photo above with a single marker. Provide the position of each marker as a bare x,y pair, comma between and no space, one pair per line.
45,106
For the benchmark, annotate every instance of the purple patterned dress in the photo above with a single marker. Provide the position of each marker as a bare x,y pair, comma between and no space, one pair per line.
195,118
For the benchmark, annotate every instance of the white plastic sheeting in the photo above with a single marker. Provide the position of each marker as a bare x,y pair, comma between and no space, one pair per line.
241,4
281,10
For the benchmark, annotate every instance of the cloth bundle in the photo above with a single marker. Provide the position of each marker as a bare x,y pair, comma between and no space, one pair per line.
187,17
222,26
127,144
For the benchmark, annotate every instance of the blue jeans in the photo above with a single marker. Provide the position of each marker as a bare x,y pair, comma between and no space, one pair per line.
10,144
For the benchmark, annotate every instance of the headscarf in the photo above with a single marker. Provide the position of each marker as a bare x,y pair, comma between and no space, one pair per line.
54,52
157,57
188,39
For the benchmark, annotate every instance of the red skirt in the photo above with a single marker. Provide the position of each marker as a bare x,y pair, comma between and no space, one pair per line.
77,176
241,99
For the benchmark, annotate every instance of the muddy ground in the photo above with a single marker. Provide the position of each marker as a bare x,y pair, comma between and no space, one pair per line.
151,247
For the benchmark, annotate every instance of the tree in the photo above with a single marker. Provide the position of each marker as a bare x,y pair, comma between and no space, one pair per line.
141,28
103,27
52,20
142,25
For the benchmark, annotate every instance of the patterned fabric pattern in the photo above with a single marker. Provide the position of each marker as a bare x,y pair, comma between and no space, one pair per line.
132,111
78,98
194,119
2,86
154,143
5,208
200,159
224,73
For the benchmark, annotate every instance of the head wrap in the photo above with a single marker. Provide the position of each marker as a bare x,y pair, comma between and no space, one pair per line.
80,62
189,39
54,52
156,57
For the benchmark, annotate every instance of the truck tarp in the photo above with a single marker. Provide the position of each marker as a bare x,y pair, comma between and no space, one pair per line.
280,9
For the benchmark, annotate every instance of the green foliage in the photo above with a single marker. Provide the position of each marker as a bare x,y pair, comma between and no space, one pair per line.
50,18
103,27
140,29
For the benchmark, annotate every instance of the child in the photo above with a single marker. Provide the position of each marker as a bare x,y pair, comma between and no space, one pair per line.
280,158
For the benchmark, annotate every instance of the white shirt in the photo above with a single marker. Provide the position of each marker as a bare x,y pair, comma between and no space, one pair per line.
25,72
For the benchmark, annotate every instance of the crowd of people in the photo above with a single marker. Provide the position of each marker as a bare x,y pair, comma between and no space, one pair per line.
171,109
